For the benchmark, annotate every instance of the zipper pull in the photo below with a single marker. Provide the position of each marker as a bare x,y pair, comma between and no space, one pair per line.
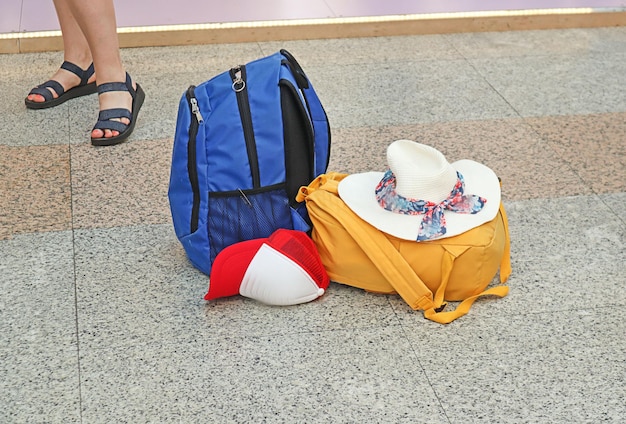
196,110
238,83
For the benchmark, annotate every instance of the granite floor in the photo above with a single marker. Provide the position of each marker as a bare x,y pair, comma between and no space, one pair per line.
102,318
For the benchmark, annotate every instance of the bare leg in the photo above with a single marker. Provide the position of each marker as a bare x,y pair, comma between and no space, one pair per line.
96,19
75,48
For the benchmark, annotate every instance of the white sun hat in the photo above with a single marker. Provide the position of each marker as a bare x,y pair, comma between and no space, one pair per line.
422,196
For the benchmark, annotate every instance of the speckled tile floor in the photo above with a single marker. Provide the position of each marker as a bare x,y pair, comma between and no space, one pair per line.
102,318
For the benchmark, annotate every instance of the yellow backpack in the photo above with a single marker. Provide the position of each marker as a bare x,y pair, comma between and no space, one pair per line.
425,274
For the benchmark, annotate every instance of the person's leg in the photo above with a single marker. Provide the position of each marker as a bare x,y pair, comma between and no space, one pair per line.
75,50
96,19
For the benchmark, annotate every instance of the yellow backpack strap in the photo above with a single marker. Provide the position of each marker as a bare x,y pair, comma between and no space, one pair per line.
435,314
464,307
387,259
374,243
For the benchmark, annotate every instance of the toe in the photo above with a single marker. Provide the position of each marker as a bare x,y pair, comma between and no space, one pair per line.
110,133
105,133
37,98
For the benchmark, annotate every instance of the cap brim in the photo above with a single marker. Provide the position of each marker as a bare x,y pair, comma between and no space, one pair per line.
230,266
358,192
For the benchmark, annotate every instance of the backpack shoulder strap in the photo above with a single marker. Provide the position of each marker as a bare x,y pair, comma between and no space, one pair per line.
321,130
374,243
319,119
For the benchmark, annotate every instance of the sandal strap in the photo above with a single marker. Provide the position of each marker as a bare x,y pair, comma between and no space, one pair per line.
110,125
118,86
83,74
115,113
43,91
105,119
55,85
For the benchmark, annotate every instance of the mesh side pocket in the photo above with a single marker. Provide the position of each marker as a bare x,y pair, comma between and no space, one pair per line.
246,215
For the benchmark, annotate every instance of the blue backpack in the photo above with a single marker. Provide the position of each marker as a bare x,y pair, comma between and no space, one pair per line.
245,142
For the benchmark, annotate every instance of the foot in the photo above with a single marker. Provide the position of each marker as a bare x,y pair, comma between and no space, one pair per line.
67,79
111,100
119,106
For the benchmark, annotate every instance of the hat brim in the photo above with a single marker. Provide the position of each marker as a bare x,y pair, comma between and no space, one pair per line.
358,192
229,267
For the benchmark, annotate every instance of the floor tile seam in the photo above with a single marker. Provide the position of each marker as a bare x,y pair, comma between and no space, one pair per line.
604,198
486,121
601,198
591,194
620,218
81,229
553,147
511,199
81,144
11,235
406,329
76,320
77,228
519,114
76,303
484,77
470,60
529,279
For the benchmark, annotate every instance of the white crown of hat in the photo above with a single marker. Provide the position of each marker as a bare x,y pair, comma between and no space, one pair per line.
422,172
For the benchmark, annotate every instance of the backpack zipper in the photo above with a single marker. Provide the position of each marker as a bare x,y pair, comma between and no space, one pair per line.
238,76
192,168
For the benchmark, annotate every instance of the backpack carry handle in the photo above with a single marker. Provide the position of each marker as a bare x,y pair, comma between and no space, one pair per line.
301,78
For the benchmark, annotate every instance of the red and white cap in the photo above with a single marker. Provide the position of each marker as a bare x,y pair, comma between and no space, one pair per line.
283,269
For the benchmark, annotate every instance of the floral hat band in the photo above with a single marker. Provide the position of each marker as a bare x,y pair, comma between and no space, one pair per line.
421,196
433,224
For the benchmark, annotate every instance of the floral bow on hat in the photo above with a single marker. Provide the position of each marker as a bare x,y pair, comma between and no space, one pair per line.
433,224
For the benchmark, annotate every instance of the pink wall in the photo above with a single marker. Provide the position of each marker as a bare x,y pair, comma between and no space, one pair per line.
38,15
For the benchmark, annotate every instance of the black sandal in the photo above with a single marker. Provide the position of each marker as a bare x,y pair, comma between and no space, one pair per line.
105,117
84,88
